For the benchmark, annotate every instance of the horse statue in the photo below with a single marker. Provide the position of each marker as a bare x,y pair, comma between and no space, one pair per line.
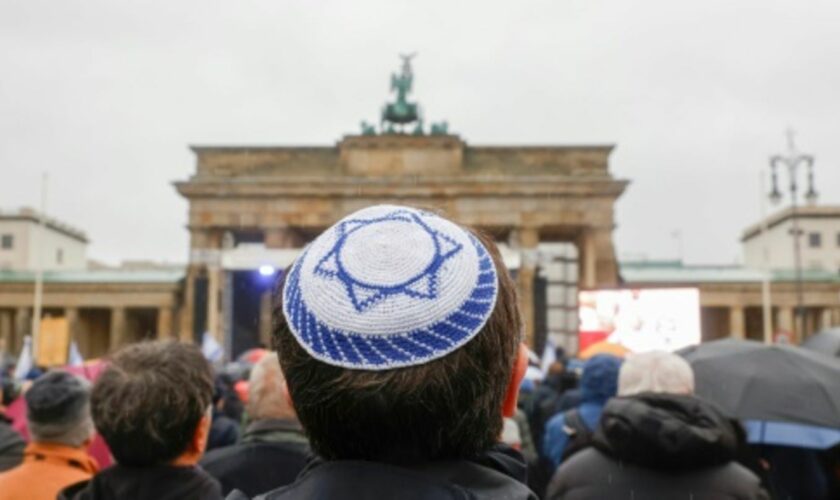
401,111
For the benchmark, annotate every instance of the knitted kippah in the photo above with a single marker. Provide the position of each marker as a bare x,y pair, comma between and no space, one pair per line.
387,287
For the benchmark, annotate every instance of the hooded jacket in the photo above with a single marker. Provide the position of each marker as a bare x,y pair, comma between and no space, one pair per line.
658,446
598,383
499,474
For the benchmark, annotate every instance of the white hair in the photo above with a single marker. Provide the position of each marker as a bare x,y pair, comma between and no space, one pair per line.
73,433
266,396
655,371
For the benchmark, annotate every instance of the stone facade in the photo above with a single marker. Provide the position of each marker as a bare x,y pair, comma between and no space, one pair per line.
284,196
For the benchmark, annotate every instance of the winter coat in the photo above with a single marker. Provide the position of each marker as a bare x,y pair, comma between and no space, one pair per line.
658,446
159,482
11,445
500,474
271,454
597,384
46,469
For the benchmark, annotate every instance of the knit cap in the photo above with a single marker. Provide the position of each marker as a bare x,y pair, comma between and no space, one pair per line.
387,287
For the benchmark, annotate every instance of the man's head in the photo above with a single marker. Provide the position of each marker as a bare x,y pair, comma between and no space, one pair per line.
655,371
599,380
151,403
58,410
397,331
266,391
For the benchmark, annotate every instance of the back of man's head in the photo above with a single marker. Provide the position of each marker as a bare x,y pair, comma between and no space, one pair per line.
655,371
397,331
58,409
599,380
266,394
149,401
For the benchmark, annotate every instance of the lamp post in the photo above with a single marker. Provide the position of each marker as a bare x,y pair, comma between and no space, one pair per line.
793,160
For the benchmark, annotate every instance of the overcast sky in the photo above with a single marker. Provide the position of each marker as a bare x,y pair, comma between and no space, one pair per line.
106,96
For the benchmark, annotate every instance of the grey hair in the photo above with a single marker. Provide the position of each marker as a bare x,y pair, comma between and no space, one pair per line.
73,433
655,371
266,396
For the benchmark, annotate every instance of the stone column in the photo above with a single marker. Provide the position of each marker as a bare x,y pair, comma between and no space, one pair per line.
188,309
737,323
785,320
265,317
214,290
6,333
825,319
164,322
23,325
526,240
117,328
586,259
71,314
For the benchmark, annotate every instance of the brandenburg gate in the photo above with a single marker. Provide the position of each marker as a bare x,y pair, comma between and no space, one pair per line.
252,208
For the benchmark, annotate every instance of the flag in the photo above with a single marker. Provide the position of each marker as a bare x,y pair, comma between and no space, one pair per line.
74,358
549,356
211,349
24,362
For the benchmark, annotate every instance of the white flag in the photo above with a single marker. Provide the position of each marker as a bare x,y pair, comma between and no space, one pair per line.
211,349
74,358
24,362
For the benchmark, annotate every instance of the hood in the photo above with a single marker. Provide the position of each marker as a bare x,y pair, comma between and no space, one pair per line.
599,381
666,432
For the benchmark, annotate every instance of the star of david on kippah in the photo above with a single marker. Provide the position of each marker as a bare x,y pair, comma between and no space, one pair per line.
363,294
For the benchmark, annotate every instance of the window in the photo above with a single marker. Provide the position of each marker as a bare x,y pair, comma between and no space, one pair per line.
59,256
7,241
814,240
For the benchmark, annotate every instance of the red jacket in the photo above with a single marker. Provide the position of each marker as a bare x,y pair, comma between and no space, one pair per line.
46,469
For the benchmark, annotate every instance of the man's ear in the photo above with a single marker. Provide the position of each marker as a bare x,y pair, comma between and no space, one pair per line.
287,395
202,432
516,376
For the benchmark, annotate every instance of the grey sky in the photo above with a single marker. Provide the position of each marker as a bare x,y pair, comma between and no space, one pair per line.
107,95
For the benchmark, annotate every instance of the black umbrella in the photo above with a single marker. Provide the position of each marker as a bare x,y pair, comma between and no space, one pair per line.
826,342
777,383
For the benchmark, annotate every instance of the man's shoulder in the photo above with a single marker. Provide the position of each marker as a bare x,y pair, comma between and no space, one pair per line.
367,480
237,451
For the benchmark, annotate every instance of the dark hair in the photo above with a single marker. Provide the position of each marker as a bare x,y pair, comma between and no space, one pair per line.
447,408
149,401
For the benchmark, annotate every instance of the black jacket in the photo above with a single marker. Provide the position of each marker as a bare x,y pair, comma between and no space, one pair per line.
271,454
161,482
658,446
11,445
500,474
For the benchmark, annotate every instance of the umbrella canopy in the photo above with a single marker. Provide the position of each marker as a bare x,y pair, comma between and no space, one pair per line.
604,347
826,342
777,383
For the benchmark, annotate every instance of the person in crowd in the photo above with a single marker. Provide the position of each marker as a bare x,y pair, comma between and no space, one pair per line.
273,449
11,442
152,404
224,431
398,333
568,432
58,418
656,440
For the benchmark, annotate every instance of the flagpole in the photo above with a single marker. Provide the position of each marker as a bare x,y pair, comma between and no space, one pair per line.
39,267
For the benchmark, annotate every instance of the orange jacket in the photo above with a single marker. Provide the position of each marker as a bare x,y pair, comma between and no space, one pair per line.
46,469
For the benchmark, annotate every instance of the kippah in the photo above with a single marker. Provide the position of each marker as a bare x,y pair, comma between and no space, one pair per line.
387,287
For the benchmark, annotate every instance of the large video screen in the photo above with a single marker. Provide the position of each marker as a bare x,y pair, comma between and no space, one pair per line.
640,319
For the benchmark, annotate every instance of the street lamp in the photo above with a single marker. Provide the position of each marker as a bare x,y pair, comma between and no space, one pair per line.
793,161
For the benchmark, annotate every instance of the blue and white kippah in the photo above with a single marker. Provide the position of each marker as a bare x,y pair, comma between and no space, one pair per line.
389,286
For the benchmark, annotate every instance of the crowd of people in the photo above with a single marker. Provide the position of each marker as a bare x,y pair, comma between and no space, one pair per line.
397,370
